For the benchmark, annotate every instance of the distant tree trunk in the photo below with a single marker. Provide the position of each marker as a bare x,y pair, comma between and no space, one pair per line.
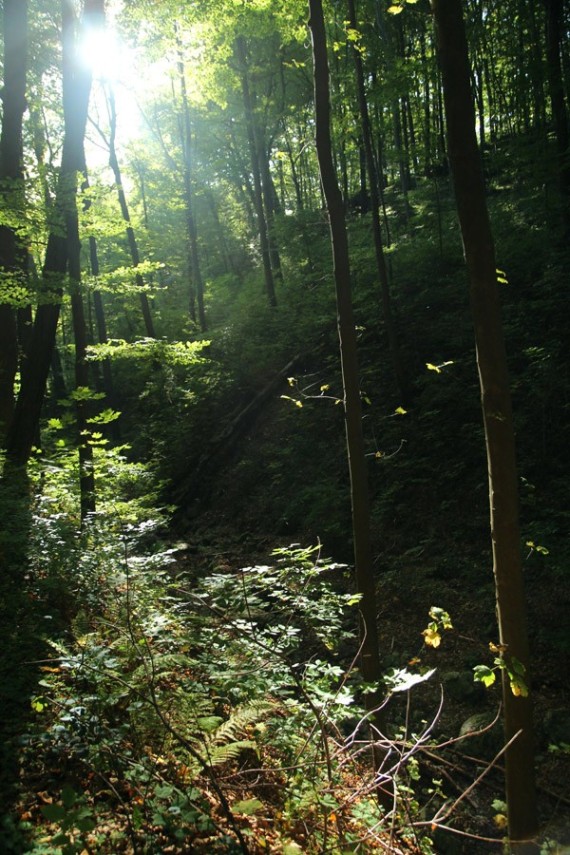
85,449
100,321
76,91
370,164
369,659
554,26
12,252
256,172
186,142
497,415
131,237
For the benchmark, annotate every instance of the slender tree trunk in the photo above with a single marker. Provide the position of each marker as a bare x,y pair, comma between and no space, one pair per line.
554,9
497,415
370,658
76,91
370,164
101,324
256,172
186,143
12,253
131,237
85,449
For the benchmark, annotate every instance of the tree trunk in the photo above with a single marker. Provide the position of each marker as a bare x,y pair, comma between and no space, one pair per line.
12,252
497,415
256,172
369,657
102,337
370,164
556,86
185,141
131,237
76,91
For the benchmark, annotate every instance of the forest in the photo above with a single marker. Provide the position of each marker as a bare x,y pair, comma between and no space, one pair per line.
284,427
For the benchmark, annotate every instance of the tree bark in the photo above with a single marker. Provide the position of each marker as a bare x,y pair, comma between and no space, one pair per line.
76,91
370,163
554,9
256,173
131,237
186,141
369,656
12,252
497,413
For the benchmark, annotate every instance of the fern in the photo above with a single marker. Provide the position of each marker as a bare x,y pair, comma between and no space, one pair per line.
239,720
220,754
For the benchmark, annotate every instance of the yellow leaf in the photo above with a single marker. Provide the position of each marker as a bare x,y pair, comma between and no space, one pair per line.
291,381
325,388
400,411
395,10
431,367
518,687
500,820
497,648
431,637
298,403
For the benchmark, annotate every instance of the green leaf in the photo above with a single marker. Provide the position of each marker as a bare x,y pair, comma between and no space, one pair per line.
103,418
68,796
247,807
517,666
484,674
53,813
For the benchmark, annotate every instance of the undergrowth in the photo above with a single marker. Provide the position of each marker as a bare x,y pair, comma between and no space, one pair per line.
174,713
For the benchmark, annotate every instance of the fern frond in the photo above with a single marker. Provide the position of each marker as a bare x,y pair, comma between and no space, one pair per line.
220,754
238,721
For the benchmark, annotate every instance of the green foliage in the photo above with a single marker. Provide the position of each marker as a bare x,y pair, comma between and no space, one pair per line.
158,690
160,351
506,663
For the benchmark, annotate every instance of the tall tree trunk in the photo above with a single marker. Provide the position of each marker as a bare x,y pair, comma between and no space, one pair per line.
554,9
186,142
12,252
76,91
497,414
370,163
369,657
256,172
100,321
131,237
85,449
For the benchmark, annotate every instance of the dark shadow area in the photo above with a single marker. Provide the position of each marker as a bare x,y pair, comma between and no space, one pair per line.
22,647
